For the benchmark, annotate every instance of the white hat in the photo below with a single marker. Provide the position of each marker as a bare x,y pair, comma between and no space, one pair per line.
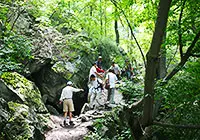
69,83
100,57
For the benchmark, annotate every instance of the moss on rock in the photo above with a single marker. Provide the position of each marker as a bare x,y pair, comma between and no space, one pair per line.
25,89
25,116
24,122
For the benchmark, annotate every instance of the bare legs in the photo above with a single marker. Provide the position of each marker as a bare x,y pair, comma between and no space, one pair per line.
70,116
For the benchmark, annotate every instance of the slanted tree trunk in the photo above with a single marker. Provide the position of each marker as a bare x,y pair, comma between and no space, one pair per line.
131,30
184,58
152,59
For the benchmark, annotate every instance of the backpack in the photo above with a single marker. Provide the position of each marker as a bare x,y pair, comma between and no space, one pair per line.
100,85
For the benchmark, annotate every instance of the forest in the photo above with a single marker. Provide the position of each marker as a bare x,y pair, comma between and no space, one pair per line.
45,43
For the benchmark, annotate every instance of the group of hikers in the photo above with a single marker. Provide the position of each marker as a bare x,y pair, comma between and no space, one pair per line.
98,81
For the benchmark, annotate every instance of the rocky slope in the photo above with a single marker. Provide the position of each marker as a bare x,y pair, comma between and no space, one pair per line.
23,114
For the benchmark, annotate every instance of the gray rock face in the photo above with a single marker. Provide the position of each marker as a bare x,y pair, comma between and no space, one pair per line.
23,115
51,84
4,114
35,65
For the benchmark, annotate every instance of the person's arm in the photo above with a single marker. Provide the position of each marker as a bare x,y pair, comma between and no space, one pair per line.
77,89
116,79
100,70
98,74
100,81
61,97
95,71
89,84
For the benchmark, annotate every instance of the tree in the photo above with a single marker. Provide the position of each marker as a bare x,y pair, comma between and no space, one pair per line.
152,59
116,27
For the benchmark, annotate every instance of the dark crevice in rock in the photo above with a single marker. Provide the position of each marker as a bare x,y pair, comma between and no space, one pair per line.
56,106
51,84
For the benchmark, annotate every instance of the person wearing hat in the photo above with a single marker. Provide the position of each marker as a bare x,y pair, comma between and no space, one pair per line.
99,62
66,98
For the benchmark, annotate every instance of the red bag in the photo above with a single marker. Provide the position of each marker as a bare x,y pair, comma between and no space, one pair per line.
107,86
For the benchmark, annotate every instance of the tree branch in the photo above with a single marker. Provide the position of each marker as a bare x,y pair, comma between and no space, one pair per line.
184,126
121,22
171,59
54,10
132,33
189,50
195,55
137,104
179,30
184,58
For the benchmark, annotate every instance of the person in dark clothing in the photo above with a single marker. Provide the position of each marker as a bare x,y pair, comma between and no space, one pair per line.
99,62
128,69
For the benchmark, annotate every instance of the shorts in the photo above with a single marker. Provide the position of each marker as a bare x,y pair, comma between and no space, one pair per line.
68,105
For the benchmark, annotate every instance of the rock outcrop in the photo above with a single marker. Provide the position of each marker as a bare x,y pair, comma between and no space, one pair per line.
23,114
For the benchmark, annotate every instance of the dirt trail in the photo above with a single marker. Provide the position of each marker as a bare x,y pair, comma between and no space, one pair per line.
60,133
78,131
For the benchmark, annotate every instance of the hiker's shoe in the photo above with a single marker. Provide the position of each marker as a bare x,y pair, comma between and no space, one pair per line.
107,102
71,123
64,123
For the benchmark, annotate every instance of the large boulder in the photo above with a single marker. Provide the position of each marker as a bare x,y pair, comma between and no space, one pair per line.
23,114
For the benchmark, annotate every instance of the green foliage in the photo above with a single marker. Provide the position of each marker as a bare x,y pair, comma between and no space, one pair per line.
132,91
181,102
109,50
15,51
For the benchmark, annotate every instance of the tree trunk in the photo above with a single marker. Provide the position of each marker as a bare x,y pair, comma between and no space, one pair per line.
105,18
152,59
161,68
91,10
116,31
101,20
